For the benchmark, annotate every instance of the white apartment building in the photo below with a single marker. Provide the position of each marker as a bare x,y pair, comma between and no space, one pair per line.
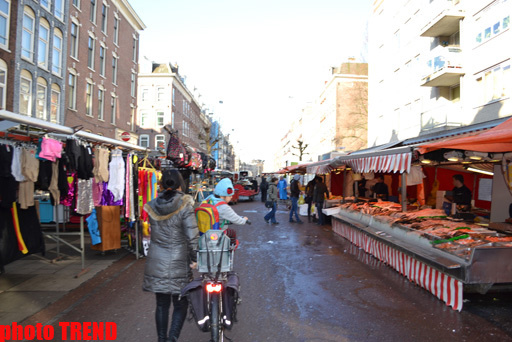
437,65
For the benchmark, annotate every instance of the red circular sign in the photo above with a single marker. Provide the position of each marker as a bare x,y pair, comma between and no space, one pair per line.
126,136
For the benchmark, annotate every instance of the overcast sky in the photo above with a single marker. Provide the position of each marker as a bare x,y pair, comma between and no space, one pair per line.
260,58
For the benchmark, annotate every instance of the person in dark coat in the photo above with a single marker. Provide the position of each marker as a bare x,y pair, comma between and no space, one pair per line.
263,189
310,187
171,256
319,195
294,195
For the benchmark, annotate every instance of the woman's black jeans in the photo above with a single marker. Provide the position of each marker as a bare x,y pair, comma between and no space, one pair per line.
163,304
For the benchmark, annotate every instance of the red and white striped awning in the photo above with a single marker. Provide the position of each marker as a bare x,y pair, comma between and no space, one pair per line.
400,162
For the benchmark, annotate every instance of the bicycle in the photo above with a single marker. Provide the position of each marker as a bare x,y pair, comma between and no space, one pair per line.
218,283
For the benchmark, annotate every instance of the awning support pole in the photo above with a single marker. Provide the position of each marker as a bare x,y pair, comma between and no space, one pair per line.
404,192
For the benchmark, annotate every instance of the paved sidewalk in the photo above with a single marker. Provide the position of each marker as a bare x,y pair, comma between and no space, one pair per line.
34,282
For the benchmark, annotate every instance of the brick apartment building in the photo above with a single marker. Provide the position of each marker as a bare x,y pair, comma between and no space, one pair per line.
7,54
32,55
102,64
164,99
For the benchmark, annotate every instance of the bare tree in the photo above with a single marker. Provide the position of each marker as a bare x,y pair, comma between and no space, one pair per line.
208,141
301,147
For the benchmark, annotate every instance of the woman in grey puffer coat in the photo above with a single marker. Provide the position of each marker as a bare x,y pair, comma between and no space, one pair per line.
174,237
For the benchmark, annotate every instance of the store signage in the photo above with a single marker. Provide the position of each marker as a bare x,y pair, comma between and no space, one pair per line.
126,136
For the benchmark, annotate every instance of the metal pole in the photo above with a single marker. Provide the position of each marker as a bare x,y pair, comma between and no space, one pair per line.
137,239
57,230
82,242
404,192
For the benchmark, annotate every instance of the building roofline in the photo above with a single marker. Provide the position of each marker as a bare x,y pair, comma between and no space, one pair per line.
131,15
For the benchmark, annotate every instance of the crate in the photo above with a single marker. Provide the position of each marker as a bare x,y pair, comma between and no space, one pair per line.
214,243
45,211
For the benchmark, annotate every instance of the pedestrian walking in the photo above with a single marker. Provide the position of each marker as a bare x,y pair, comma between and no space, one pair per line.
282,186
294,195
263,189
310,187
171,255
320,193
272,196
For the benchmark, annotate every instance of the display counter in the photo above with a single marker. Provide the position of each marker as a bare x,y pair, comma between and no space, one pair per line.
438,254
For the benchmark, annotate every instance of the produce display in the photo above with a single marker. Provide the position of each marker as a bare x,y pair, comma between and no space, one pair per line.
445,233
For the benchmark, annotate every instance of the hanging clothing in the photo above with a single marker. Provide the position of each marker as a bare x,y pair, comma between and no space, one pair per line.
51,149
107,197
92,225
73,153
16,165
85,163
101,164
68,197
54,184
84,200
30,169
30,231
8,184
117,175
62,181
45,175
97,193
415,176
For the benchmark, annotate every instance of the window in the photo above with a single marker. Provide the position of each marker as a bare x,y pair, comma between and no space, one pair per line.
93,12
27,38
26,93
113,110
41,98
72,90
172,119
114,70
55,106
160,119
145,94
76,3
173,96
45,4
133,89
59,9
88,98
159,141
116,29
5,9
134,50
492,83
57,52
104,15
44,42
144,120
160,94
101,100
144,140
185,128
74,40
102,60
3,83
90,53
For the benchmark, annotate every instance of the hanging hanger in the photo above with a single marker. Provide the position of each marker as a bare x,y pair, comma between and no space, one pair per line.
145,161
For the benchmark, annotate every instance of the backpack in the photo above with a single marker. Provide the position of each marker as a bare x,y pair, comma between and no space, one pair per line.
207,216
175,150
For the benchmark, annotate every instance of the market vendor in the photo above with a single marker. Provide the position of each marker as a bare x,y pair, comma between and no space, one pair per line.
461,195
380,188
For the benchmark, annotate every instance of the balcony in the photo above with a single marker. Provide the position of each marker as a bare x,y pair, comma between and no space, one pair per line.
445,16
444,68
441,118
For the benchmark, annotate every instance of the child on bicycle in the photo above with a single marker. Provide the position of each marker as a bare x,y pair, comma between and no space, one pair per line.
223,192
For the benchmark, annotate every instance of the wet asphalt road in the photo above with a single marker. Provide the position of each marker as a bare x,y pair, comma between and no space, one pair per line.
299,283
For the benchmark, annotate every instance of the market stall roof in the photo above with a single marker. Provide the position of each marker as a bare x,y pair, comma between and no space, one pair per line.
396,159
56,128
497,139
454,132
322,166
